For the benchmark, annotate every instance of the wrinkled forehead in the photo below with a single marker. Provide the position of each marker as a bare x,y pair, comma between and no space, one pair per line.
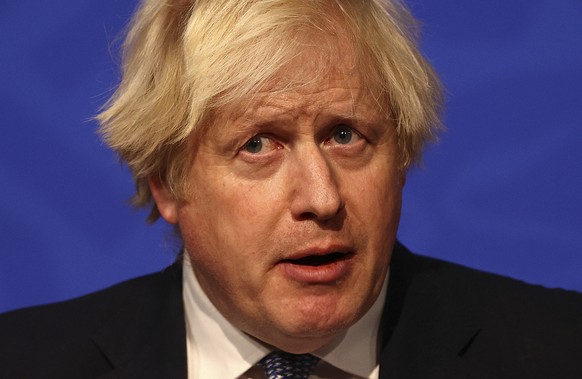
328,71
337,99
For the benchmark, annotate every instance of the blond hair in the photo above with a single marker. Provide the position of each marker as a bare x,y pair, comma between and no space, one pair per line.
184,59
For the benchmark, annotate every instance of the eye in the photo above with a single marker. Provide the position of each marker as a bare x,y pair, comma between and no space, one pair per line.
345,135
259,144
254,145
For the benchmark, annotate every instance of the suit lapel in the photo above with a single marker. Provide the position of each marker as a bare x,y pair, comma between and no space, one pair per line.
427,327
146,337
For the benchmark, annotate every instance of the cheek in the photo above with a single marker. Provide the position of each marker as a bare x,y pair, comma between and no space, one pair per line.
228,219
375,199
378,192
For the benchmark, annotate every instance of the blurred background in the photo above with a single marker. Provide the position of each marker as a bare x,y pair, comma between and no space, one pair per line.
501,192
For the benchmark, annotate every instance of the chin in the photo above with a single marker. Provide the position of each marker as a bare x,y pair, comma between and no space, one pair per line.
320,323
300,342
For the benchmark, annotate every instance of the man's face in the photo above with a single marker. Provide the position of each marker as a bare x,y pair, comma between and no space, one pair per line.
292,210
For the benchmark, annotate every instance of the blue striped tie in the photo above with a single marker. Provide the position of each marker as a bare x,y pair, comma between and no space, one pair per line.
281,365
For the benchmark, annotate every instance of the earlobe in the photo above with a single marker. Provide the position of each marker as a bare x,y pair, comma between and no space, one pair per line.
166,203
402,177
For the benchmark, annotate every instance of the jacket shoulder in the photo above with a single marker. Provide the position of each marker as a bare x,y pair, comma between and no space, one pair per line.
495,294
479,322
61,334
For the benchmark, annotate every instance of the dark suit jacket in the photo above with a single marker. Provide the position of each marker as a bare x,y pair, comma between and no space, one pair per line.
440,321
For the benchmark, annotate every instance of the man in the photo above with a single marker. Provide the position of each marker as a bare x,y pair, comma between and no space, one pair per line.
276,136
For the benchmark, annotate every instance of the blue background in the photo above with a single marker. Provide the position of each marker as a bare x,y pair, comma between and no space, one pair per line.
501,192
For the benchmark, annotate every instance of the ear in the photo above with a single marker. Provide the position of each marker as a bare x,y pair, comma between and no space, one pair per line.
166,203
403,176
402,173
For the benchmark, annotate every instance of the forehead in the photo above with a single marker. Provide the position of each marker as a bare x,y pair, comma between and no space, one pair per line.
327,77
328,99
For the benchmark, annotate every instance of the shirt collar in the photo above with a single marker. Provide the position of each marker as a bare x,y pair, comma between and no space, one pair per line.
355,351
216,349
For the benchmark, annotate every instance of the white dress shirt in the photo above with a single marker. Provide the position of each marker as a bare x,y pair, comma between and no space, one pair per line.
216,349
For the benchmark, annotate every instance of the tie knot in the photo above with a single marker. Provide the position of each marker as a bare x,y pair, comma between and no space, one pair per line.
280,365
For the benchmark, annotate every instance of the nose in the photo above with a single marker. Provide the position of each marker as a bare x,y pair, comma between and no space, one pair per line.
315,192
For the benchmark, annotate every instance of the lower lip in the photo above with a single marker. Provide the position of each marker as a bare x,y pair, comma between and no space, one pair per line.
322,274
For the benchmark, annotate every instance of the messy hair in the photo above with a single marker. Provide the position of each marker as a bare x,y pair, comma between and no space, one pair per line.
184,59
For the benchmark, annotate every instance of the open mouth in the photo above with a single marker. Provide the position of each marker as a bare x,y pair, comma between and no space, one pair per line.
319,260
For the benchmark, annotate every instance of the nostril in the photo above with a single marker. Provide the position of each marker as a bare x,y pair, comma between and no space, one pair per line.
308,216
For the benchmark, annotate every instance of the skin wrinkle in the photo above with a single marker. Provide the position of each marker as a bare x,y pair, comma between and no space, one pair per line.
251,211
